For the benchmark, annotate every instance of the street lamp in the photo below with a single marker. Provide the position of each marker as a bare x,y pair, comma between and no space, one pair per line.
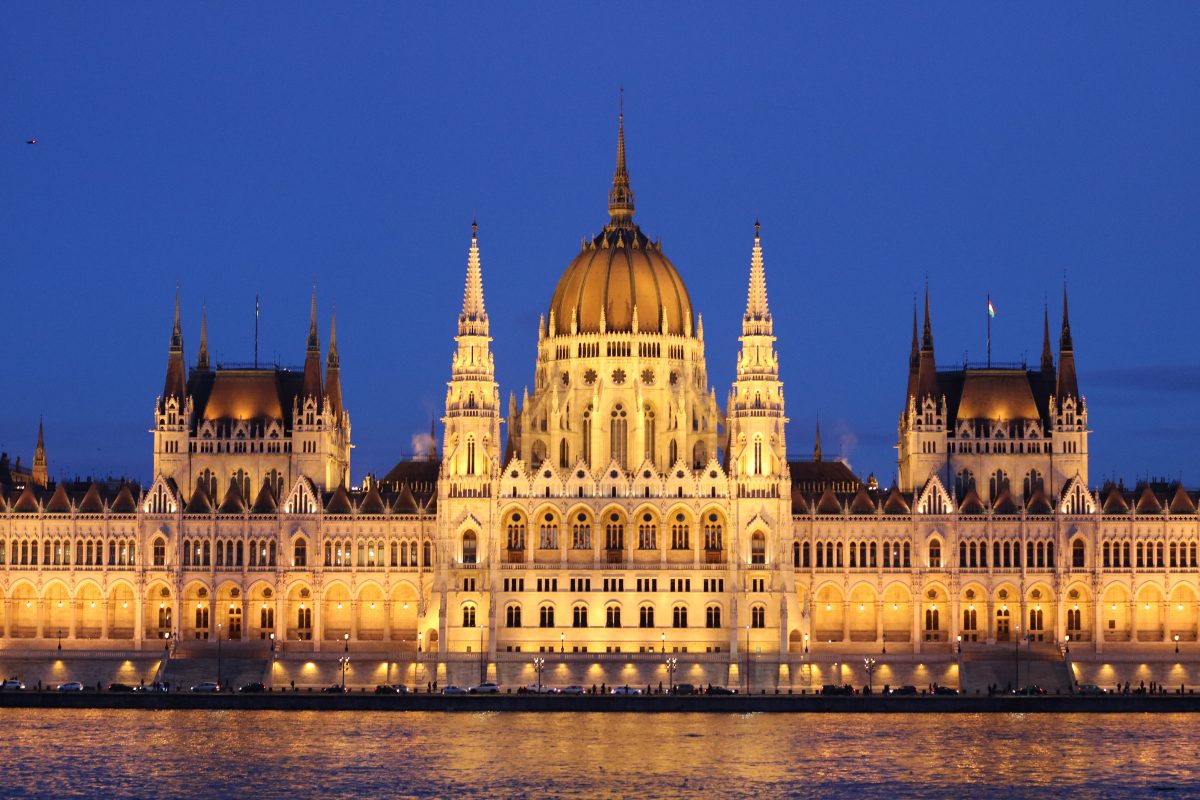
664,642
345,659
60,641
958,640
482,663
219,686
884,643
869,664
539,664
672,664
806,644
562,643
1068,645
1177,644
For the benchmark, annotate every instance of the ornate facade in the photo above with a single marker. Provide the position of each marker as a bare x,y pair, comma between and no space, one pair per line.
625,512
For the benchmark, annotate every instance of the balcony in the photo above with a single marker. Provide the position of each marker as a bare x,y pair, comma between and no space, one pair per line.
714,557
614,556
515,557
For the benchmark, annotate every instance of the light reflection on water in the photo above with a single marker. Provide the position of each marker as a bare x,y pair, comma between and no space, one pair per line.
269,754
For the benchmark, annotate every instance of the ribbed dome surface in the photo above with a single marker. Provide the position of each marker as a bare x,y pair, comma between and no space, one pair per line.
618,270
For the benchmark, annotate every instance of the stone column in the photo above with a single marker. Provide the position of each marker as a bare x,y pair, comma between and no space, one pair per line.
387,622
1133,621
354,620
845,623
41,618
280,619
955,620
1098,630
245,619
989,625
105,631
879,623
317,631
8,618
916,625
72,618
139,622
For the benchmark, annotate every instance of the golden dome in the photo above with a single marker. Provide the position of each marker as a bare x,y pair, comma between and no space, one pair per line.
619,271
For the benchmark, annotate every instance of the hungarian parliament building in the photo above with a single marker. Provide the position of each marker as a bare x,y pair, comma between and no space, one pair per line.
624,511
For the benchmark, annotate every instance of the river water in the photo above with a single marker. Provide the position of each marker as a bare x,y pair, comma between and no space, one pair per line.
272,754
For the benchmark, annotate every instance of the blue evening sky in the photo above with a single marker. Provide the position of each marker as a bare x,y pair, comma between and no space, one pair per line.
256,147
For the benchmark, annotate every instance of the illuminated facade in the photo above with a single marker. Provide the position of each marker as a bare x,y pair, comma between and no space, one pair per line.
625,512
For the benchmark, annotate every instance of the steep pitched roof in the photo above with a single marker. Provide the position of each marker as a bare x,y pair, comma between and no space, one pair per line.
199,503
372,503
1182,503
972,503
799,502
1005,504
1039,504
233,503
895,503
124,502
91,503
59,503
862,503
27,503
1147,503
266,502
1115,502
339,501
405,502
828,504
431,504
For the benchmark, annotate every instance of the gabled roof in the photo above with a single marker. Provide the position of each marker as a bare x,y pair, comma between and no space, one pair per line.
1115,502
405,502
199,503
972,503
339,501
895,503
124,502
372,503
1005,504
233,503
828,504
862,503
1147,503
1039,504
1182,503
91,503
27,503
799,503
266,502
431,504
59,503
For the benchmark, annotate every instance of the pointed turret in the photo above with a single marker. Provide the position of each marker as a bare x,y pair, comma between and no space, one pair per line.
176,383
41,475
1047,355
433,448
333,371
927,370
757,321
1068,384
620,197
202,356
312,358
817,442
474,318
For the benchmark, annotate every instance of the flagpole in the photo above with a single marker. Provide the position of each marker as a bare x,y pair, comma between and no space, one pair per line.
989,329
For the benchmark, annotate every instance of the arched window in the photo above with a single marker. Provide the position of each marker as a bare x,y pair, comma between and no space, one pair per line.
758,465
619,435
548,533
758,549
579,617
650,431
512,616
712,617
612,616
546,616
468,616
468,547
160,552
796,554
471,454
564,454
208,481
516,532
758,616
964,482
699,455
300,553
538,453
614,533
672,452
587,436
712,533
646,616
1033,482
581,533
997,483
427,554
241,479
647,533
679,617
935,554
679,533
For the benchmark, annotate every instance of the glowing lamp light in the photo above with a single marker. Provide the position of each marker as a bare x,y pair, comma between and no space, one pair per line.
28,604
372,605
93,604
125,605
861,607
60,603
1114,606
1181,606
827,607
1147,606
339,605
895,606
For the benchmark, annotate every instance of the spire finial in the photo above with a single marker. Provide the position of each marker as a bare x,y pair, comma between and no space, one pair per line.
1064,341
817,441
914,357
333,359
474,316
758,314
202,355
314,338
620,198
927,338
1047,355
176,328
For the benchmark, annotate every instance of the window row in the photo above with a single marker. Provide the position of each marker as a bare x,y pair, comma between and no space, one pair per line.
64,552
513,616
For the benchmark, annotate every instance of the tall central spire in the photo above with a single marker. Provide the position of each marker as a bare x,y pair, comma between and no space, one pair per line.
312,359
620,198
758,314
474,318
202,356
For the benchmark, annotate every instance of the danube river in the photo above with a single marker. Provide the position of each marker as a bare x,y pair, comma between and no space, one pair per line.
269,754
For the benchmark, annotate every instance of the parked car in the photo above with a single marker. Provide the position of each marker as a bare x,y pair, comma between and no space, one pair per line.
944,690
683,688
1090,688
391,688
453,690
11,685
120,687
485,688
721,690
207,687
336,688
572,689
903,690
533,688
252,688
154,688
625,690
70,686
1031,689
833,688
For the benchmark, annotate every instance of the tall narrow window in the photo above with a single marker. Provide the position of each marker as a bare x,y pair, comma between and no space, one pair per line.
470,455
619,435
587,437
651,438
468,547
758,470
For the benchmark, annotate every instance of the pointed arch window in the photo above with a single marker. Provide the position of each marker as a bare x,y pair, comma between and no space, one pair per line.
619,435
650,430
469,543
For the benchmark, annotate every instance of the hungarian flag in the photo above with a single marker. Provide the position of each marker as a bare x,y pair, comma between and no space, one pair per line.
991,309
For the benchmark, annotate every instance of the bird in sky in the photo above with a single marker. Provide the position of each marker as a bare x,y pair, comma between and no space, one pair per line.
31,141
